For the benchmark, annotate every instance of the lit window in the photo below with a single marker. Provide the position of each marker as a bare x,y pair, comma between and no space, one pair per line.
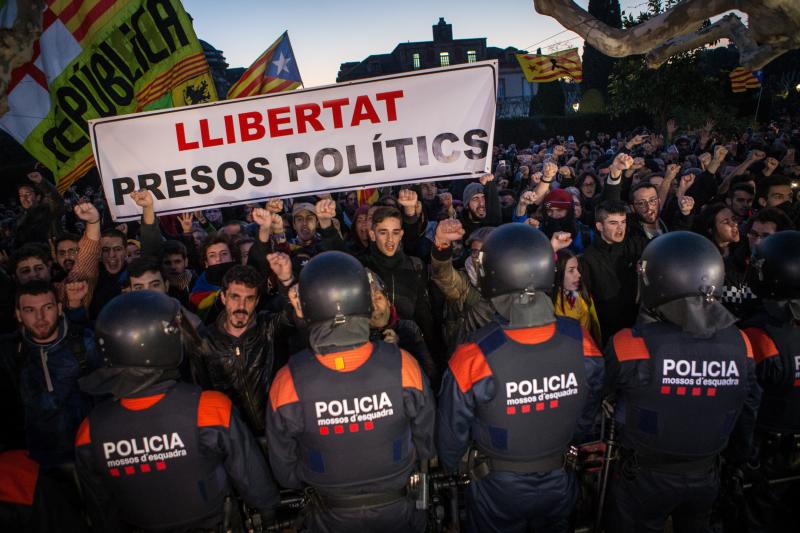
444,58
415,61
472,56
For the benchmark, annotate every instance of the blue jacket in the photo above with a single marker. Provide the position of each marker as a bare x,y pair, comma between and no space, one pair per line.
45,377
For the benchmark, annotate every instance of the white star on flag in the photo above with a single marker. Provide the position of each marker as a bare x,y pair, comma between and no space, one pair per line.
281,64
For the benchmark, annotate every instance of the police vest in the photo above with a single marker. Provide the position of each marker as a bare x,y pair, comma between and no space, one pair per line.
153,462
780,403
540,391
355,428
695,392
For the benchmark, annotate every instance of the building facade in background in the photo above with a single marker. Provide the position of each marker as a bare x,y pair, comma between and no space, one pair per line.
514,92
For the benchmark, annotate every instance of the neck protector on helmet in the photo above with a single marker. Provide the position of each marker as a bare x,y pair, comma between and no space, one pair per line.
524,310
695,315
328,337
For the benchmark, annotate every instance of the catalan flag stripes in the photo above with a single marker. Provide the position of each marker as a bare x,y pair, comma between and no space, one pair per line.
274,71
547,68
742,79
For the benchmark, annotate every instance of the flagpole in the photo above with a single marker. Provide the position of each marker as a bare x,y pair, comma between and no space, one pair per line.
758,105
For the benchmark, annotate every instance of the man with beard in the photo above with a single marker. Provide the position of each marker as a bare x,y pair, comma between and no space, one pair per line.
481,205
43,362
647,208
405,276
236,354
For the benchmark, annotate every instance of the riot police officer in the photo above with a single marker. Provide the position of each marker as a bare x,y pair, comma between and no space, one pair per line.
775,335
161,455
524,389
684,379
349,418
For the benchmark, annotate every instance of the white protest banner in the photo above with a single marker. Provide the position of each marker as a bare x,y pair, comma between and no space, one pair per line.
418,126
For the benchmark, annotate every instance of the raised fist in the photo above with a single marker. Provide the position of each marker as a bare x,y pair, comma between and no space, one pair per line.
407,198
143,198
86,211
281,264
486,178
560,240
262,217
447,231
622,162
685,204
549,170
326,210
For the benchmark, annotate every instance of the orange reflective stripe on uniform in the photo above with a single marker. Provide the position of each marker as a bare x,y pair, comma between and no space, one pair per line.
282,391
346,361
469,366
83,436
18,477
762,345
412,375
630,348
214,409
140,404
749,345
536,335
590,348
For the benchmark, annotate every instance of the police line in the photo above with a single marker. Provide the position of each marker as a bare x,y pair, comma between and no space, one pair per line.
420,126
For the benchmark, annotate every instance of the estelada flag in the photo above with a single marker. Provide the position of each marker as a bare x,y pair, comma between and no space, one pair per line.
742,79
274,71
547,68
99,58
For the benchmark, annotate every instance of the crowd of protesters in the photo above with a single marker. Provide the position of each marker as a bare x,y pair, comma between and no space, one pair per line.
600,197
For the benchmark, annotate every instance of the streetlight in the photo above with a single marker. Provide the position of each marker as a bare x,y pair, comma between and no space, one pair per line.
577,105
797,87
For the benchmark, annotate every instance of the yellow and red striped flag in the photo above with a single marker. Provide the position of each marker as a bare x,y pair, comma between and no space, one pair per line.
274,71
99,58
547,68
742,79
367,196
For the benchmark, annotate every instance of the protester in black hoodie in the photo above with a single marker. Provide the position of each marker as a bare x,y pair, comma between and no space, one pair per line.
405,277
481,205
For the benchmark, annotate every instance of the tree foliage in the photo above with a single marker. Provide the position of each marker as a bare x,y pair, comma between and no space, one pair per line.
683,88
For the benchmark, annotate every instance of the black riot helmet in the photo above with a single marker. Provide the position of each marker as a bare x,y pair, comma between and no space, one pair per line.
140,329
515,258
334,286
777,263
677,265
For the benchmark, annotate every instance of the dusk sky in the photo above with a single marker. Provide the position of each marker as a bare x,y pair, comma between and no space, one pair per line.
327,33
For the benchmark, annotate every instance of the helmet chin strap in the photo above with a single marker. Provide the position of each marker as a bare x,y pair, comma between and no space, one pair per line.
527,309
699,316
338,334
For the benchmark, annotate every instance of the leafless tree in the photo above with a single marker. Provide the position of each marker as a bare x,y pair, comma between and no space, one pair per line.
773,28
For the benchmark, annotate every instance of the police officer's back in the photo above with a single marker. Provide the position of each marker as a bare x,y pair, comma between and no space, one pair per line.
685,385
774,333
349,418
160,455
525,388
